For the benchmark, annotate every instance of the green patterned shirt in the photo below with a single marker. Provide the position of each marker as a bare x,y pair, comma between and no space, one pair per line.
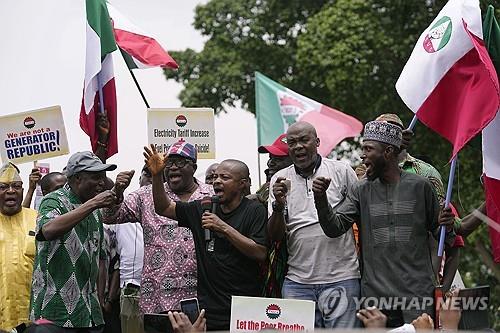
64,285
421,168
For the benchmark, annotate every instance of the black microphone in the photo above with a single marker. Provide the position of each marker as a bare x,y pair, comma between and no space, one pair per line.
215,203
206,206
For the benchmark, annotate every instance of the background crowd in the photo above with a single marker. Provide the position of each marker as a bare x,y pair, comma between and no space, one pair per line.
92,258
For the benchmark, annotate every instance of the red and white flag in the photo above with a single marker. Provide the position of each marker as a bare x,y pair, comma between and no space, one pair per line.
491,140
99,70
491,180
138,48
449,82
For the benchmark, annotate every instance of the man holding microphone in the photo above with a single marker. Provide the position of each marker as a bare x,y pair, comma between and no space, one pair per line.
227,264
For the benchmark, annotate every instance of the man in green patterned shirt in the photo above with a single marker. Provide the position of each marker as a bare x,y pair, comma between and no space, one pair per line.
414,165
70,246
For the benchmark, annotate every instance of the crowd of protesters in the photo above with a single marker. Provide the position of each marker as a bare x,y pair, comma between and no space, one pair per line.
94,259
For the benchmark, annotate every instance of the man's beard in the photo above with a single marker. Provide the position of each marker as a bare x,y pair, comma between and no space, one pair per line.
377,171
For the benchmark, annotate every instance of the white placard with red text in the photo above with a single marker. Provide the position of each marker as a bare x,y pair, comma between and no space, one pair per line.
33,135
258,313
193,125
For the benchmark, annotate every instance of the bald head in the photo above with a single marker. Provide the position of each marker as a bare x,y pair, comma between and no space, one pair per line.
237,168
303,143
231,183
302,127
52,181
209,174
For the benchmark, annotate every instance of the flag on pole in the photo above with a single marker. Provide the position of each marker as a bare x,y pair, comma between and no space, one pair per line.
449,81
99,69
277,107
491,138
138,49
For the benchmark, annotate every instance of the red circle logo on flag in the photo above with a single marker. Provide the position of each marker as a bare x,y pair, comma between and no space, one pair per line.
29,122
273,311
181,120
439,35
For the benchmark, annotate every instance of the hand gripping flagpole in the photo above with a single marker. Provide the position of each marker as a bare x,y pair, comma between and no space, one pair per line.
449,189
447,204
413,122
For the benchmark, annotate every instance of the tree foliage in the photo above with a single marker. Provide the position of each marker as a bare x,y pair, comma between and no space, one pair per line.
344,53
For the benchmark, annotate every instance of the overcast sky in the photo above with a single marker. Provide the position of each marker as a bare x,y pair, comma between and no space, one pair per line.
42,64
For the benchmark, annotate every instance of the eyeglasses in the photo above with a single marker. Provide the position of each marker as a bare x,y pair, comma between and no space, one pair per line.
180,163
15,186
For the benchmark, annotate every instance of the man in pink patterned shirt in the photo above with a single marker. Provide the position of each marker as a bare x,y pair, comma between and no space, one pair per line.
169,273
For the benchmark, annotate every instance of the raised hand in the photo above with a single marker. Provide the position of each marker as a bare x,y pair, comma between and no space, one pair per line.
154,160
320,185
280,190
102,125
123,181
104,199
35,177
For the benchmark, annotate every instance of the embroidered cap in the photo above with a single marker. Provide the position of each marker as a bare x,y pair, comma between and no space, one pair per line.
9,173
385,132
390,118
184,149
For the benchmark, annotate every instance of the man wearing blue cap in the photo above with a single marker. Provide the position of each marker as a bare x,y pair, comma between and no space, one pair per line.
70,245
395,211
169,272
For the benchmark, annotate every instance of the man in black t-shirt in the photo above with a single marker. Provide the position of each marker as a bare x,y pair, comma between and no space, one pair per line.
229,265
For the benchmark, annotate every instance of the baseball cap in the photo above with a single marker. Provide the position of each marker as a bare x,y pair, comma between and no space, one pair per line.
184,149
390,118
278,148
86,161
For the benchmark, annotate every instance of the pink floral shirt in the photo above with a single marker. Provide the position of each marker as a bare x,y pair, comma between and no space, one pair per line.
169,273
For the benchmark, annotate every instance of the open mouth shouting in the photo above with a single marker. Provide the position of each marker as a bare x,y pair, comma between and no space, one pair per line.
218,190
11,201
174,177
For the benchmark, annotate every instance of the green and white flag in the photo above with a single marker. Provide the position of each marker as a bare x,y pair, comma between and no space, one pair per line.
99,71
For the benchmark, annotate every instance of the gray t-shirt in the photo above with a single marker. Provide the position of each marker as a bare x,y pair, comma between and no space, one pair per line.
314,258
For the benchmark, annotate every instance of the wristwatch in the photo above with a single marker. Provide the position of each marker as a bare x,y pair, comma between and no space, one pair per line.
277,207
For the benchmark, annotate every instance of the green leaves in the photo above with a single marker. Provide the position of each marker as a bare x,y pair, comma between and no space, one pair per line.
344,53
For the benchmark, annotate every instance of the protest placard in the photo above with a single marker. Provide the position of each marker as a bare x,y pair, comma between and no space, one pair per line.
33,135
193,125
258,313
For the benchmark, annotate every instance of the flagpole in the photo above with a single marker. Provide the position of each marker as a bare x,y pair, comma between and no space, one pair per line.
101,97
258,168
447,204
139,88
413,122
